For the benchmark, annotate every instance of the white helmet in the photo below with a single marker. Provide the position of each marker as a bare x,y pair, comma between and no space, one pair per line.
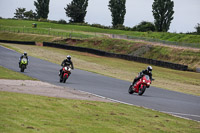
69,57
149,69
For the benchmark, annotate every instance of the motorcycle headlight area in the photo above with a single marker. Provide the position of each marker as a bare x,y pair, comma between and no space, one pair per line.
66,68
144,81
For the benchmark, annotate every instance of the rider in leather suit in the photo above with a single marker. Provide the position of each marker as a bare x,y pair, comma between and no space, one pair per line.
147,71
66,62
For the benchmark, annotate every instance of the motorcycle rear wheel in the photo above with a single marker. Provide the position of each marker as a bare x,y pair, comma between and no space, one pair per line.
130,90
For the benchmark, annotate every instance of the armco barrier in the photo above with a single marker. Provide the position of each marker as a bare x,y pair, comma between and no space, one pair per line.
121,56
18,42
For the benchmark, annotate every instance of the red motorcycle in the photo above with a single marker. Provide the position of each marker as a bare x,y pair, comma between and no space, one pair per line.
140,86
66,72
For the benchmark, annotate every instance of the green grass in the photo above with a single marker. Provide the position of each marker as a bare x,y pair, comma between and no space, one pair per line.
26,37
22,113
9,74
45,26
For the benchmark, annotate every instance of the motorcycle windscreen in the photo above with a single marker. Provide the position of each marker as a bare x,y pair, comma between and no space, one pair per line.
147,77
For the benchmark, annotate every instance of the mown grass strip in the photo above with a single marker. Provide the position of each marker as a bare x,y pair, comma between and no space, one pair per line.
9,74
22,113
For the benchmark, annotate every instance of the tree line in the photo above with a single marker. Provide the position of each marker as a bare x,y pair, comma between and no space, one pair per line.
163,11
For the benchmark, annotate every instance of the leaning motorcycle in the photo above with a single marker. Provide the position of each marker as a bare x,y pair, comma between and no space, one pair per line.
66,71
140,86
23,64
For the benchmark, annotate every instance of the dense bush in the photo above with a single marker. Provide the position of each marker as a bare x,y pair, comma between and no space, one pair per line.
62,21
144,26
100,26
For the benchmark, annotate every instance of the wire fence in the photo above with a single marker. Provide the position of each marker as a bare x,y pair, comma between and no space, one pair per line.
192,45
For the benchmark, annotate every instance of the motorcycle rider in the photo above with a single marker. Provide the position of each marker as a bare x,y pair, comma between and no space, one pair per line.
23,56
147,71
66,62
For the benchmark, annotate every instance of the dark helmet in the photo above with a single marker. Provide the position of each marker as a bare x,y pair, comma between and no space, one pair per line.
25,54
149,69
69,57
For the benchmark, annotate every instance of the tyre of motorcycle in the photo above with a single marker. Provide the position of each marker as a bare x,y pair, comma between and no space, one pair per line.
64,78
130,90
61,79
142,90
22,68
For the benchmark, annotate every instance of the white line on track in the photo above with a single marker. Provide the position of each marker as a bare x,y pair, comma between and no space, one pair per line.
172,113
181,114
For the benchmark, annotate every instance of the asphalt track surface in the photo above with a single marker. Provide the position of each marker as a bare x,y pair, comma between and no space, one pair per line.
179,104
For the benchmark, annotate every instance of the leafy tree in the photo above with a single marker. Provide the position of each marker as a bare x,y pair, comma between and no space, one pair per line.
198,28
163,14
118,11
42,8
144,26
76,10
19,14
30,15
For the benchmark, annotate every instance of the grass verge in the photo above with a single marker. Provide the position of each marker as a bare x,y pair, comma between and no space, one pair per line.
9,74
22,113
181,81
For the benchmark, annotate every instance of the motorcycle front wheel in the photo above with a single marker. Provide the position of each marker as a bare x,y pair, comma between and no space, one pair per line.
130,90
22,68
142,90
65,78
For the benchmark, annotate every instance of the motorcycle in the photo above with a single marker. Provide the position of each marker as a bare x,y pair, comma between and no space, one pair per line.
23,64
66,73
140,86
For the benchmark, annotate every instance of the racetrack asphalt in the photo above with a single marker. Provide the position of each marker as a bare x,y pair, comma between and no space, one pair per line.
179,104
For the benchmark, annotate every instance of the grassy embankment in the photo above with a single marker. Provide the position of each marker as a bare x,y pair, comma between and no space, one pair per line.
188,57
186,82
87,30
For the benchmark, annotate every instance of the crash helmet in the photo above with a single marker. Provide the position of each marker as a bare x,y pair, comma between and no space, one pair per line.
25,54
149,69
68,57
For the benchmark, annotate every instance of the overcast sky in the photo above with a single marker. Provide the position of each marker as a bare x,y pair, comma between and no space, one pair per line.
186,16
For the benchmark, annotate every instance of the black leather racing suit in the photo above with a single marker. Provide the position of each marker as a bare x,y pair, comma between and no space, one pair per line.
141,74
66,62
